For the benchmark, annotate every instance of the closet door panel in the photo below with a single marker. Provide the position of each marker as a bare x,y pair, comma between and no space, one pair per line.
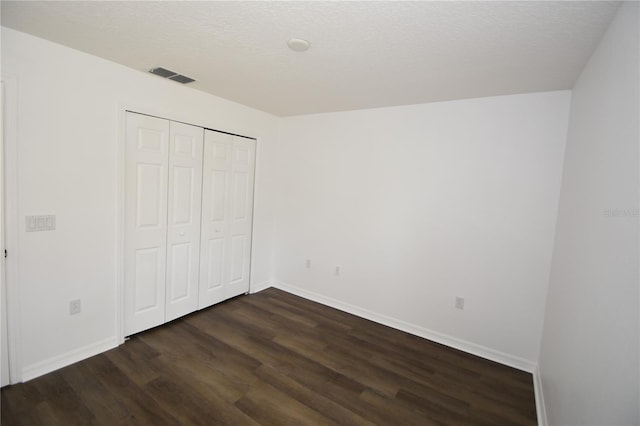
216,193
150,195
239,250
215,263
237,258
148,269
184,214
147,153
181,276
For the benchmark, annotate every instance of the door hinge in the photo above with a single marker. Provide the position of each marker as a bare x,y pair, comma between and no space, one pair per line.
5,254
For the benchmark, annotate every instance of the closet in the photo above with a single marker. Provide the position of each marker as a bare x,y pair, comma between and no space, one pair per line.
188,216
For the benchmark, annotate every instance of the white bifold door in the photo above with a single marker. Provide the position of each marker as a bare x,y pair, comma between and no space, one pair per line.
171,213
227,206
183,219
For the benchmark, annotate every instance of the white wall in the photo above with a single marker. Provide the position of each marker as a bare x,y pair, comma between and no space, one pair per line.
589,355
419,204
68,138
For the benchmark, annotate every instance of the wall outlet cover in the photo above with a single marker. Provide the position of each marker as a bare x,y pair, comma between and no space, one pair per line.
75,307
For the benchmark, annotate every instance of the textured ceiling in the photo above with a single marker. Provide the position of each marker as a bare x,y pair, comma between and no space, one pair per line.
362,55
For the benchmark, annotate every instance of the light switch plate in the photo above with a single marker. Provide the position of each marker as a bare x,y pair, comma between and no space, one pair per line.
38,223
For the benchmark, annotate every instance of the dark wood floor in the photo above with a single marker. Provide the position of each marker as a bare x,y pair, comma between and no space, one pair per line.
274,359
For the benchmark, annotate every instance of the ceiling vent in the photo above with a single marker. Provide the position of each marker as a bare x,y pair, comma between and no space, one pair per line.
171,75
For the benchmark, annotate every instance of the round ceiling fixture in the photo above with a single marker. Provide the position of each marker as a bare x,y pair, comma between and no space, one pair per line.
298,44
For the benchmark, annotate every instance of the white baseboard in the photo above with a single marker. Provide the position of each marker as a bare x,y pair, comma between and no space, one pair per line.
57,362
469,347
453,342
255,288
540,407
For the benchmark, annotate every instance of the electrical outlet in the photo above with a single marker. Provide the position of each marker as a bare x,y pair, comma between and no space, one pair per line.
337,272
75,307
307,263
459,302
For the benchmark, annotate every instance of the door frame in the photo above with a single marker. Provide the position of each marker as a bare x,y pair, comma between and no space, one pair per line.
11,225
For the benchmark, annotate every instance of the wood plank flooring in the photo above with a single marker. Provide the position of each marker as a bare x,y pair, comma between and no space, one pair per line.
275,359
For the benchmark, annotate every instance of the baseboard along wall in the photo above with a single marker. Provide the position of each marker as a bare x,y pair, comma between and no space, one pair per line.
49,365
55,363
452,342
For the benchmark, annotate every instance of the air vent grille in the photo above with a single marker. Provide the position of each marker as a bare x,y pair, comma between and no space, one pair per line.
181,79
171,75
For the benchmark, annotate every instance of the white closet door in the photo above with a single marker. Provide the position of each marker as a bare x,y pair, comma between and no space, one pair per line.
147,157
183,229
241,217
216,208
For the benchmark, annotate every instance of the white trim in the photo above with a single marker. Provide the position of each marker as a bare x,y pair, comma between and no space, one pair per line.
259,287
541,410
76,355
120,149
4,356
12,273
255,207
453,342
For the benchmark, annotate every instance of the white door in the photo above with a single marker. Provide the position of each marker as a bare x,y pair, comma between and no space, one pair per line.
146,178
216,188
239,247
227,206
183,229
